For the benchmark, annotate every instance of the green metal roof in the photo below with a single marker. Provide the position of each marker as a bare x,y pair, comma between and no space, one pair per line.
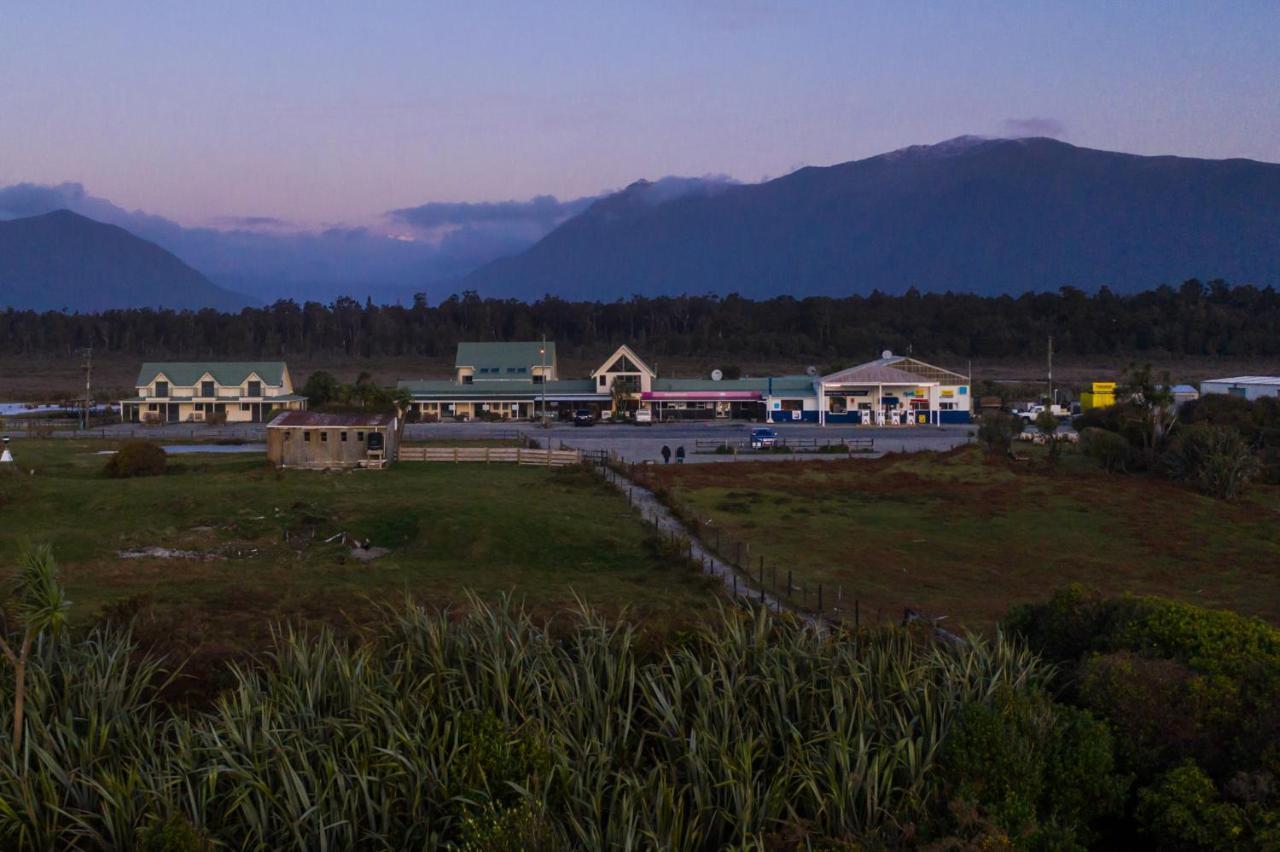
787,384
227,373
497,389
501,355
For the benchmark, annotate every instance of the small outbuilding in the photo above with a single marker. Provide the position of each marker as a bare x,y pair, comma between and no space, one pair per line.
1249,387
320,441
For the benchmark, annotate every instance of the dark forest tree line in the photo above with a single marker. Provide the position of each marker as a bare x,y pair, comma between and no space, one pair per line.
1194,319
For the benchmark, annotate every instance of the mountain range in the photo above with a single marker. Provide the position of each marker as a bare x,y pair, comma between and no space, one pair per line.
62,260
978,215
972,214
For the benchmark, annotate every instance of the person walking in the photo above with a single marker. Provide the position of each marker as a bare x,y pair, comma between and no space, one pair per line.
666,454
680,454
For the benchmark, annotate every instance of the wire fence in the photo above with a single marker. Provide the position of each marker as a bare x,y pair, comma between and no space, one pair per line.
754,577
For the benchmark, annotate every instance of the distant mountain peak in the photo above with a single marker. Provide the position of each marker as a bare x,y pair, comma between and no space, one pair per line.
969,214
62,259
966,144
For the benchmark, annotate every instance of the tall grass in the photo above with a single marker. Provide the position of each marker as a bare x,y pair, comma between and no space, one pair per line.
483,729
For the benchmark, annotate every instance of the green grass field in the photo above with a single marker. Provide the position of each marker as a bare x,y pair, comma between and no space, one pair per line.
542,535
964,536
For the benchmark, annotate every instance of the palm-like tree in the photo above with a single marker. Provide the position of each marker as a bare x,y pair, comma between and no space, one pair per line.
40,604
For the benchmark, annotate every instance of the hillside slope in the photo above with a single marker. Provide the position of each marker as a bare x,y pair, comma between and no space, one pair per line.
981,215
64,260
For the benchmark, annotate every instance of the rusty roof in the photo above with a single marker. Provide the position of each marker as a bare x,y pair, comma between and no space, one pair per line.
320,420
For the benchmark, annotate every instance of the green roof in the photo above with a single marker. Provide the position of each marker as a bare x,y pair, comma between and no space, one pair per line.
226,373
497,389
501,356
791,384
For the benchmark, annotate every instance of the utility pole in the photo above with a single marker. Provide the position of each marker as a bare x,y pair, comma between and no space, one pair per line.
1052,401
87,366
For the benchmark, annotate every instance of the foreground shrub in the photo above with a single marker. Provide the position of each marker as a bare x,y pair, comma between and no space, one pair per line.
1214,460
487,730
997,429
1181,686
136,458
1041,773
1109,449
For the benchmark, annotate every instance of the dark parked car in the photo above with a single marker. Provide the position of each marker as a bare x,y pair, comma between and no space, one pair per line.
763,438
583,417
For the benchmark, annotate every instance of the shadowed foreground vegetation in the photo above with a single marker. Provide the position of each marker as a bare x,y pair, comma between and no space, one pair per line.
487,730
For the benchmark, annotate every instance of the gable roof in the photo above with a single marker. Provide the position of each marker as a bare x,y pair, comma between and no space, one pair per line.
226,373
896,370
873,373
500,355
624,351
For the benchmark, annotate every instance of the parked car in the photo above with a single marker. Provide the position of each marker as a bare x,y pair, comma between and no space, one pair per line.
644,415
583,417
763,439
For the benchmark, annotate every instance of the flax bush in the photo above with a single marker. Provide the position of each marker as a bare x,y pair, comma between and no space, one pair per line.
485,729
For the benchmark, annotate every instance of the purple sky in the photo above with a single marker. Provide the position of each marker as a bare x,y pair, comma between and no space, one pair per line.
321,113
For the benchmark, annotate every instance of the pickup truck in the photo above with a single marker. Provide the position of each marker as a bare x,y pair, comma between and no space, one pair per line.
1029,413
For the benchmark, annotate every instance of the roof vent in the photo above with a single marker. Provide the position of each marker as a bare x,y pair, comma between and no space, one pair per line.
716,375
888,353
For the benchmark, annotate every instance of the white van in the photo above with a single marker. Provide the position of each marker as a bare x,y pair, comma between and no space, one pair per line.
644,415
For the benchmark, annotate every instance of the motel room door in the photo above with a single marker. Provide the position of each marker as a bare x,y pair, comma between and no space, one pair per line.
171,412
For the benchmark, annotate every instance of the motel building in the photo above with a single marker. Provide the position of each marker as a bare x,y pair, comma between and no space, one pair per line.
514,381
501,381
196,392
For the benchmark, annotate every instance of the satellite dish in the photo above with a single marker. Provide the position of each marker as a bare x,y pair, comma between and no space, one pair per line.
716,375
811,370
888,353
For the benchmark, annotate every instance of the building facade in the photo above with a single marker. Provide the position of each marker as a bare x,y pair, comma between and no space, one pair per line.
1249,387
892,390
195,392
319,441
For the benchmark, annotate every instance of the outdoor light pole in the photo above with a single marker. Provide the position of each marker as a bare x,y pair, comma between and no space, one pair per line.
543,352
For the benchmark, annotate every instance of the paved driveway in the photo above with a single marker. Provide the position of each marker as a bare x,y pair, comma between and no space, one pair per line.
644,443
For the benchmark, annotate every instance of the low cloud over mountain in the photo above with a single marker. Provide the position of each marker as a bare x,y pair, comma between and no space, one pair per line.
425,248
429,247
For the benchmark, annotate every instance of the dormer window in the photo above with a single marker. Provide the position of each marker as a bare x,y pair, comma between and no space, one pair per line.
468,379
206,388
255,389
162,389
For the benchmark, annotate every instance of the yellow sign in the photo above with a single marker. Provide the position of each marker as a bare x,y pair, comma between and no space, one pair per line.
1104,387
948,393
